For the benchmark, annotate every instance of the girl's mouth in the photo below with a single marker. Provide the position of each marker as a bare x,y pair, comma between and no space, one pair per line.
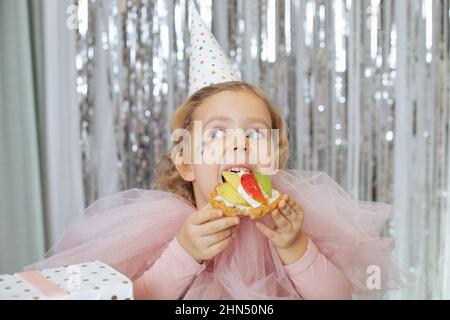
238,169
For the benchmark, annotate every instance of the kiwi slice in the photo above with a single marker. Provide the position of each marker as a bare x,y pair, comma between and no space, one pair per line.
265,183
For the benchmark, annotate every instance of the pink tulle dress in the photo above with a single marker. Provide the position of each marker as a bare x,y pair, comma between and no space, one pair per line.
131,230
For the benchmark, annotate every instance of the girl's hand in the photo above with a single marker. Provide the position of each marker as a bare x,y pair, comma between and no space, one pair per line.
206,233
287,236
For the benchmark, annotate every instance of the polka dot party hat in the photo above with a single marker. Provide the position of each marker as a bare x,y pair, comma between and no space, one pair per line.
208,63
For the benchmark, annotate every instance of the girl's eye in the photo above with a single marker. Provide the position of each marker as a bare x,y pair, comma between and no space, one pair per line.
255,134
217,133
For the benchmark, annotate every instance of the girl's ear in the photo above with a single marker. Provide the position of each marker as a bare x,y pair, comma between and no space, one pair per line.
186,171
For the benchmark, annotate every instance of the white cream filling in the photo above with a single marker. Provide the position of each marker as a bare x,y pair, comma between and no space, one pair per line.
250,200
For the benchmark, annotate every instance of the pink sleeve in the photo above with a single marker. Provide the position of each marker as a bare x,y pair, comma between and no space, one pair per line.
317,278
169,276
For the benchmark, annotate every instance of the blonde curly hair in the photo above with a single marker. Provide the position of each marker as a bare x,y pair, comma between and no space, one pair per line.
167,177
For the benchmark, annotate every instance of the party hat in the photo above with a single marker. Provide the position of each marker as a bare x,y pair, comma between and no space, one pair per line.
208,62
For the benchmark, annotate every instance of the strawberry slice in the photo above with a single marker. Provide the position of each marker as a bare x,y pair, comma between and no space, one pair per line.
251,186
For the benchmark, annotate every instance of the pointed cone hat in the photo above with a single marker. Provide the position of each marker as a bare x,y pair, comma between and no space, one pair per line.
208,63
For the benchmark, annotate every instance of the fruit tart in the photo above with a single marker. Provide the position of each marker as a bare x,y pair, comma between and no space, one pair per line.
244,193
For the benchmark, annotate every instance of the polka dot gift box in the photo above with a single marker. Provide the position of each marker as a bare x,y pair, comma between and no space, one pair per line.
87,281
208,63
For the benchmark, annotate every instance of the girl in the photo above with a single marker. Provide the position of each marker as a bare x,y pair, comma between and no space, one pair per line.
243,256
317,244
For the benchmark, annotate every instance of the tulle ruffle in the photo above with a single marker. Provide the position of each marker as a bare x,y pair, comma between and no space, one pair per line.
130,230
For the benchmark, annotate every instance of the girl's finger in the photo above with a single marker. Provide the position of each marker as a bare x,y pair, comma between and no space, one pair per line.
296,207
287,211
268,232
203,216
292,202
297,215
217,225
283,203
218,236
207,206
220,246
281,221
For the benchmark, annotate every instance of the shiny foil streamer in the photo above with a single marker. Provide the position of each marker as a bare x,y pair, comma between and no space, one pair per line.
363,85
85,68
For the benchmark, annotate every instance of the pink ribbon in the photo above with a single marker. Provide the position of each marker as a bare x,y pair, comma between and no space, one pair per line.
39,282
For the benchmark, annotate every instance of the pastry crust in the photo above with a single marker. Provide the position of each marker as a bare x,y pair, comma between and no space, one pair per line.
253,213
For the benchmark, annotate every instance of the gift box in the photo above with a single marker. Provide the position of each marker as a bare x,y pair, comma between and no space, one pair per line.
87,281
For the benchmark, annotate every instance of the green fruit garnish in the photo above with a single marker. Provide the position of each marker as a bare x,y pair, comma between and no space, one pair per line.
265,183
227,191
233,178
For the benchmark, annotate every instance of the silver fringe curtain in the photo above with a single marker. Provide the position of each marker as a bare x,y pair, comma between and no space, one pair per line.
364,86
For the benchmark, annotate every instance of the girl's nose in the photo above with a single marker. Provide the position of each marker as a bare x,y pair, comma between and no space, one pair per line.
243,146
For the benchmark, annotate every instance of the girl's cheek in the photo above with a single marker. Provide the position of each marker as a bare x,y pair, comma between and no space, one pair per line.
260,149
212,152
